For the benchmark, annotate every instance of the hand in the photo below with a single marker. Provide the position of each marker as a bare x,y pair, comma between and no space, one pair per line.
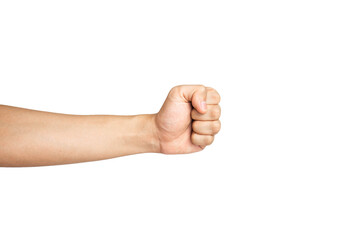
188,120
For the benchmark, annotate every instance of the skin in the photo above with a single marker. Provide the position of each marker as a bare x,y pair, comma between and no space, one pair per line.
187,122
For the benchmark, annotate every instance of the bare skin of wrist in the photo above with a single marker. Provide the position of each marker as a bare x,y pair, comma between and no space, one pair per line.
186,123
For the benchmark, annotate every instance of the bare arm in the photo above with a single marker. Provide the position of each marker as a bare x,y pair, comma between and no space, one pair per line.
186,123
33,138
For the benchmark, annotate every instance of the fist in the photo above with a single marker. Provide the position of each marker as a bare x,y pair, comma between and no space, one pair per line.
189,119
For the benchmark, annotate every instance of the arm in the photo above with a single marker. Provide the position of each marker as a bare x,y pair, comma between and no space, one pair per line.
35,138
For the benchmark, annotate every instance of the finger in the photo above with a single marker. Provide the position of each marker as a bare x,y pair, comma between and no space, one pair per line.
213,97
202,140
213,113
206,127
196,94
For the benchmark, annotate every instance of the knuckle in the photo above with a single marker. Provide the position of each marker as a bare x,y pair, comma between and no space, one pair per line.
214,94
201,88
217,96
209,140
176,88
218,109
175,91
216,127
216,112
210,89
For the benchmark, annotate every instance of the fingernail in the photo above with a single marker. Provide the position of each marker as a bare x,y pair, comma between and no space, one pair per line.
203,105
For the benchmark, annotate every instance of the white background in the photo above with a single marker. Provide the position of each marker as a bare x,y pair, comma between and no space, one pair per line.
285,166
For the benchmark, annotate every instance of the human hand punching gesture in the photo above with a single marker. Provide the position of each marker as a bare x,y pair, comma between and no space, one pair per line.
189,119
186,123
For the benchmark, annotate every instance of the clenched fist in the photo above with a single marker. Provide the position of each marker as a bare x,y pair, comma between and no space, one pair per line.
188,120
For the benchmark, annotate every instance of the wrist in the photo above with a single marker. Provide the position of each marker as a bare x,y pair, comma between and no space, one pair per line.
136,134
153,131
147,133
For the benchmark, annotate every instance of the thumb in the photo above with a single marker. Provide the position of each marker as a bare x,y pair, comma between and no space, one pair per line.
196,94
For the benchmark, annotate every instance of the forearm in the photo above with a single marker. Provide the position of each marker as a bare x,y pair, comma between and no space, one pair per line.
34,138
